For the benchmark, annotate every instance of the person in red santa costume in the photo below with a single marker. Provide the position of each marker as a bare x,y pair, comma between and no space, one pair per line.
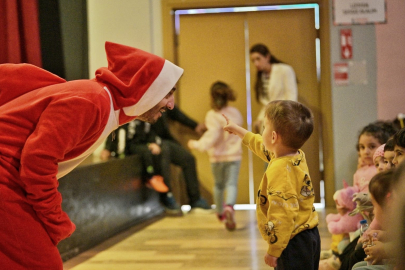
48,126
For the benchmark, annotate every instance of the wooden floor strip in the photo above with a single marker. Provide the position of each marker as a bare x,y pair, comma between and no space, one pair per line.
194,241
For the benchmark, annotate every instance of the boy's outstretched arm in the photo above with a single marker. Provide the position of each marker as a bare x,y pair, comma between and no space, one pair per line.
233,128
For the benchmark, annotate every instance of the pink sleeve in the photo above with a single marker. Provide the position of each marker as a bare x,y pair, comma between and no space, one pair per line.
362,177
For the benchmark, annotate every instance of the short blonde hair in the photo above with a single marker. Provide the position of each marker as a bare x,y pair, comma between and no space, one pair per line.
292,120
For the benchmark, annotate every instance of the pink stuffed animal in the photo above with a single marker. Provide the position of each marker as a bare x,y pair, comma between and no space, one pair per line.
342,222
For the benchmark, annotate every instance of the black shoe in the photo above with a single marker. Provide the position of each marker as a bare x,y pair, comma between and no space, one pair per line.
170,204
201,205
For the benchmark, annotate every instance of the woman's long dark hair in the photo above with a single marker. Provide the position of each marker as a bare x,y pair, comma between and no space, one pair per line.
263,50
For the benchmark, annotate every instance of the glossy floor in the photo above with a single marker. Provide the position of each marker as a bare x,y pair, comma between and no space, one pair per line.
193,241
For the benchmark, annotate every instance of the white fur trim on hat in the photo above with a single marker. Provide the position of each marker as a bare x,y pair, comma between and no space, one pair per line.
161,86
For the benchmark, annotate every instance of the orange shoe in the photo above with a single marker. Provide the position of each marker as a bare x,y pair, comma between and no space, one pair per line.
157,183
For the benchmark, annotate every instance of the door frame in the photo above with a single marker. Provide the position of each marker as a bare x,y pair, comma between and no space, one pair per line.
169,52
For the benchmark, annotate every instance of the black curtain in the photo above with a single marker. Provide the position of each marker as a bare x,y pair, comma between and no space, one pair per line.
64,42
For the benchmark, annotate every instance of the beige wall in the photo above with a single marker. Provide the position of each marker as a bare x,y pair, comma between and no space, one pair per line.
135,23
391,62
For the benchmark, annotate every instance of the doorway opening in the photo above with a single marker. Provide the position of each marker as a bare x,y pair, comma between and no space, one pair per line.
247,9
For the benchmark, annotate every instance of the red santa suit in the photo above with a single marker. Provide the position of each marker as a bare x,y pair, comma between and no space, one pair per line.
47,127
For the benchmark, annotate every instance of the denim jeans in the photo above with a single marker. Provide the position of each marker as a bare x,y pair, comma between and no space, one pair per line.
226,180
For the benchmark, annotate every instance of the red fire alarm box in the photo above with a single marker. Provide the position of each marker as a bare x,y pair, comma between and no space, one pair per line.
346,44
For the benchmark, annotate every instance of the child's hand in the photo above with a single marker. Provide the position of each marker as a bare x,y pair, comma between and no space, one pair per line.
229,125
154,148
200,129
375,253
375,234
233,128
190,144
270,260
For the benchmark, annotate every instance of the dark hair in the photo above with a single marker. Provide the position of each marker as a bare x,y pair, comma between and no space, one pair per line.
292,120
380,185
389,145
375,130
399,138
221,93
263,50
388,127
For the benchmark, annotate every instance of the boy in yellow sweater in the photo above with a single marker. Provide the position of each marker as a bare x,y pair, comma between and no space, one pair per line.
286,216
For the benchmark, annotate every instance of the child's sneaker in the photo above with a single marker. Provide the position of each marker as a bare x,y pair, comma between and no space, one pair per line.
170,204
229,214
157,183
221,217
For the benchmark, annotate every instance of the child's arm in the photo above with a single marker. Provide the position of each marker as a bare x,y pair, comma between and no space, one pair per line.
254,142
154,148
233,128
376,253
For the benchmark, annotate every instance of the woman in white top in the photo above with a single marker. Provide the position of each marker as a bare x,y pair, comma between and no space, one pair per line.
224,151
275,80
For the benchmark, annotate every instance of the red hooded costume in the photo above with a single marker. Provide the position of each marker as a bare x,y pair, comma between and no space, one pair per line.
47,127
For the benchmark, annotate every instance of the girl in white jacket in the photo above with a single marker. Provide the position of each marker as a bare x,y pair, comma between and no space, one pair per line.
224,151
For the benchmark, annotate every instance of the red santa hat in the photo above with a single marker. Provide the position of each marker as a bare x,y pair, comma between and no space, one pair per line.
136,79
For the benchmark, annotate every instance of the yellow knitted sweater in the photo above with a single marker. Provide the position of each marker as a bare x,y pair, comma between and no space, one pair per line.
284,203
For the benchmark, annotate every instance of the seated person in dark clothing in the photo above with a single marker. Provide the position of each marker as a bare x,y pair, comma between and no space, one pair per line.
171,152
140,139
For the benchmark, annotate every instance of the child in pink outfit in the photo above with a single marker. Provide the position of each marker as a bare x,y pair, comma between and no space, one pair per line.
371,137
362,177
224,151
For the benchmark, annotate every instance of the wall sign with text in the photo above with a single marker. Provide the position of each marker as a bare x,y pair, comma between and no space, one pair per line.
358,12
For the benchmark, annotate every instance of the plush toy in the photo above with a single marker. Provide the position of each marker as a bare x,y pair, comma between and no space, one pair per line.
342,222
363,206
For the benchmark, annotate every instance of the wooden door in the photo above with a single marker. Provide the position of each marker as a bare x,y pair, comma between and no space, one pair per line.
290,35
211,48
214,47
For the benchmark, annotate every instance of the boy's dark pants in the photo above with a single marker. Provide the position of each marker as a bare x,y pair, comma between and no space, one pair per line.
302,252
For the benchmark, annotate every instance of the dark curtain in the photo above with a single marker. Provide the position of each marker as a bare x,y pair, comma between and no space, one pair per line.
51,37
19,32
63,31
